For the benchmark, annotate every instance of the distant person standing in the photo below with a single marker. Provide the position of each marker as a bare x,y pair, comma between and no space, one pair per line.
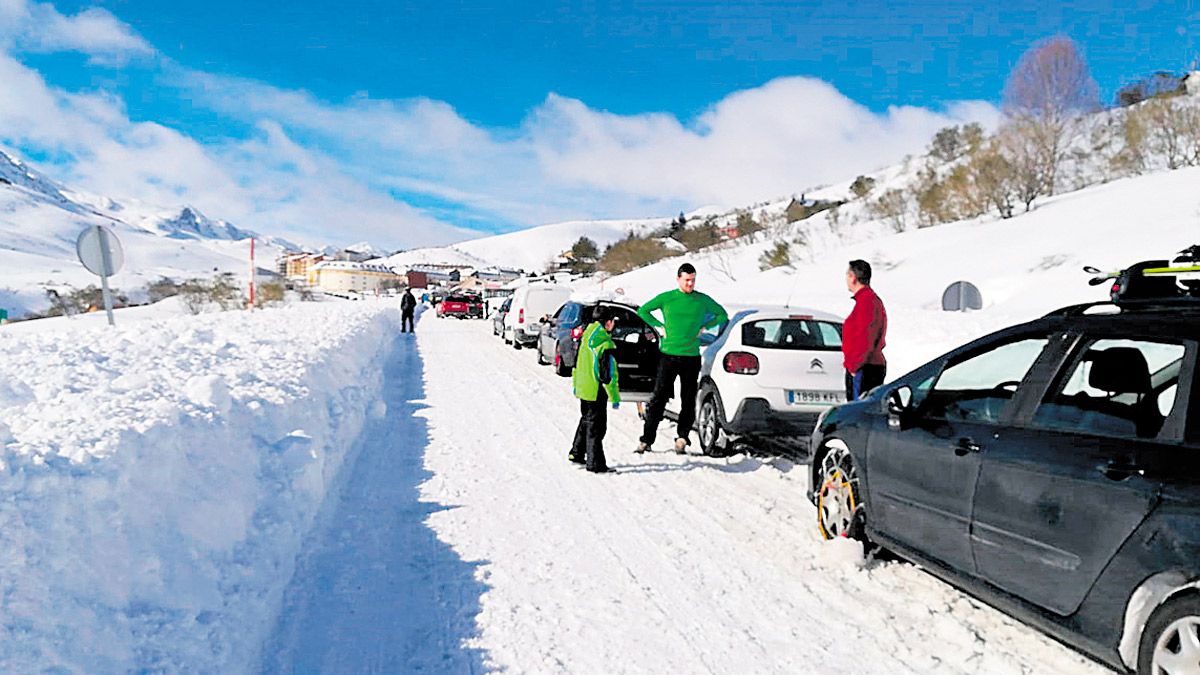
595,383
686,313
863,334
408,304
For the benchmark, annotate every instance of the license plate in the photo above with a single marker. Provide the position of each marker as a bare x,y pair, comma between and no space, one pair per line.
802,397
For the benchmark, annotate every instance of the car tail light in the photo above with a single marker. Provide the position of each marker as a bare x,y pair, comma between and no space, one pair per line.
741,363
577,332
521,316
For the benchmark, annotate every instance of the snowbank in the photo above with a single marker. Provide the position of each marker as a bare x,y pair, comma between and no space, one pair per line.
157,479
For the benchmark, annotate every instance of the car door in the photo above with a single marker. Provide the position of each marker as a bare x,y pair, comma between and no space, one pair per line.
1062,490
636,353
922,472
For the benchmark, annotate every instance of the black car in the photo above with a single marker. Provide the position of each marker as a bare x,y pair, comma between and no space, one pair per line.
637,342
1052,468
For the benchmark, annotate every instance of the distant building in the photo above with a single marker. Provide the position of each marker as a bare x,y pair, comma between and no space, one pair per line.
297,265
339,277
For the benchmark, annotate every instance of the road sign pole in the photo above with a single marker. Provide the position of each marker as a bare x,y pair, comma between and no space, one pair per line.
251,272
106,262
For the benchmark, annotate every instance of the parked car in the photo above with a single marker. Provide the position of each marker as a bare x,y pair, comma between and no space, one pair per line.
454,305
558,340
529,304
498,317
769,373
1051,468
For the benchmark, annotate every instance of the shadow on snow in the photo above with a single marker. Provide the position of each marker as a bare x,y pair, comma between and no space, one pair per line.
374,589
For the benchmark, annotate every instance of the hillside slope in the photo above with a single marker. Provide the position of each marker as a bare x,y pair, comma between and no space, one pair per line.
1024,266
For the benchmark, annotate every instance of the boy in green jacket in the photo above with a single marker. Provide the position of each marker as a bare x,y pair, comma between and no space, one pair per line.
595,384
686,313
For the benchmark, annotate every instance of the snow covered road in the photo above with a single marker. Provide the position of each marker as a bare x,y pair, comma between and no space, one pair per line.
673,564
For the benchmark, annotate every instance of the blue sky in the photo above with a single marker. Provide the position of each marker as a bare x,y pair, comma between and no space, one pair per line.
437,116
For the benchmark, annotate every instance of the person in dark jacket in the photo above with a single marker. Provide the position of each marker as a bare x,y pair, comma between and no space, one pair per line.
863,334
408,304
595,384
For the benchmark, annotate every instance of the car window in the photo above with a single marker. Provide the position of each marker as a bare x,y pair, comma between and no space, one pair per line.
806,334
1114,388
628,322
979,387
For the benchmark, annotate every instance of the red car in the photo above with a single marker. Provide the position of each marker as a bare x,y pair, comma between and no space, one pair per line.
458,306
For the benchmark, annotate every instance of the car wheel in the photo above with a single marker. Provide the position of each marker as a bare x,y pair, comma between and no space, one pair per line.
710,422
516,343
839,502
1171,640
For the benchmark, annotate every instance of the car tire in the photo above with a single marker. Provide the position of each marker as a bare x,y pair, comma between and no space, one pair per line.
1161,639
840,509
710,422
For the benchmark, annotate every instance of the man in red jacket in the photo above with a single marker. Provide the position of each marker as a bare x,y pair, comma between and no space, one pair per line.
863,334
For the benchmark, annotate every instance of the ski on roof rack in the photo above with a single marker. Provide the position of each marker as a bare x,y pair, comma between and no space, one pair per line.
1174,282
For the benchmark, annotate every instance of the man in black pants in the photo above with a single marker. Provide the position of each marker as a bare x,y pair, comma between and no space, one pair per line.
407,304
686,313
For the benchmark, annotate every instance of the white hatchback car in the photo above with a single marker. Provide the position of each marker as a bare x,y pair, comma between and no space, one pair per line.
769,373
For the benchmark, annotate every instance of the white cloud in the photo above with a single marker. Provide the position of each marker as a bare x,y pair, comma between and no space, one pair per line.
317,170
39,27
779,138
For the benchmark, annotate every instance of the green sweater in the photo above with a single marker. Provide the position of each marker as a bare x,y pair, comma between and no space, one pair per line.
684,314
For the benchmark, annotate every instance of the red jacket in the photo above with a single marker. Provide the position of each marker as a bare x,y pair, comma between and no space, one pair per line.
864,331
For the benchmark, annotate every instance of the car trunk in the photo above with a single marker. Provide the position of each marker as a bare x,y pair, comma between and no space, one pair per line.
636,353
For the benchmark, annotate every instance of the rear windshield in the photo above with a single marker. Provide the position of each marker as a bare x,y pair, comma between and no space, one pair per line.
805,334
458,298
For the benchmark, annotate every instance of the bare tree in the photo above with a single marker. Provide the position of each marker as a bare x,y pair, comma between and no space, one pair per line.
891,207
1173,128
993,178
1046,92
1021,148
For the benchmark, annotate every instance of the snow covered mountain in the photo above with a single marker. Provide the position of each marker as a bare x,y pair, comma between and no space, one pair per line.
41,219
529,249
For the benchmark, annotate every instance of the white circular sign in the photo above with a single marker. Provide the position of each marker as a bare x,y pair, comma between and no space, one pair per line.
100,251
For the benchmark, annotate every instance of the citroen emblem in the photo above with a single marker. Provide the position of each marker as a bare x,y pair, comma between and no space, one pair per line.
816,365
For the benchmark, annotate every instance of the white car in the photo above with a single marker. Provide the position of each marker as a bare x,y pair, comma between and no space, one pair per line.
769,373
529,305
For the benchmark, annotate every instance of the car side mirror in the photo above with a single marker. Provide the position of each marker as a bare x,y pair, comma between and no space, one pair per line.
899,403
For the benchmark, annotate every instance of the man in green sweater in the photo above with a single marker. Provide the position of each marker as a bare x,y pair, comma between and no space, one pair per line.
686,313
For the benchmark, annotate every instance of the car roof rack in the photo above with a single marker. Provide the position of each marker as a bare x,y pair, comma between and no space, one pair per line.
1132,305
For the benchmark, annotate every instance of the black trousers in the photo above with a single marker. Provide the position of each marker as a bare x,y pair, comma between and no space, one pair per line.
687,369
867,378
406,319
588,446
